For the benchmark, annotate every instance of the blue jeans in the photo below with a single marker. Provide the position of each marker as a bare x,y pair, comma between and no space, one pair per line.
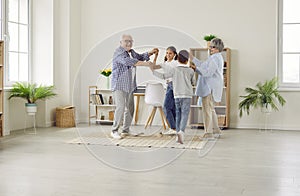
182,112
169,106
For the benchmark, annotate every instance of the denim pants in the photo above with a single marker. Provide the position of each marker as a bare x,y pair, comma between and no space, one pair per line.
169,106
182,112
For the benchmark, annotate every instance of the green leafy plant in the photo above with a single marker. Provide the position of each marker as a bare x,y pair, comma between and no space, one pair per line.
209,37
31,92
106,72
264,96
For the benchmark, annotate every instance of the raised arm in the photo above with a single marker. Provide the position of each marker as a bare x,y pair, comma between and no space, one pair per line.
206,68
144,56
168,72
197,64
143,63
155,57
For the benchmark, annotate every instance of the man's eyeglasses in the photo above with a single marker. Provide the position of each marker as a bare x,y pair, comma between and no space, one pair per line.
128,41
212,46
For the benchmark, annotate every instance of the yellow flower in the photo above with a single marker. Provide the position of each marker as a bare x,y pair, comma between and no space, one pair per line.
106,72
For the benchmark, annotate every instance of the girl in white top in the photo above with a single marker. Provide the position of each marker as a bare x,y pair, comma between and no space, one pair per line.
169,102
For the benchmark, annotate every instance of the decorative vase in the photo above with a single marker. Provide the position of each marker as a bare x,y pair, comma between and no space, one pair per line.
31,108
107,82
110,100
266,109
207,44
104,82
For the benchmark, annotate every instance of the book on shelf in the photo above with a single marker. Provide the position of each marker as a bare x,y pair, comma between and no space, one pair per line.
101,98
97,99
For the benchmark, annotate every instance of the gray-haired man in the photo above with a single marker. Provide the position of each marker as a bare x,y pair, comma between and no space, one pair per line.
123,82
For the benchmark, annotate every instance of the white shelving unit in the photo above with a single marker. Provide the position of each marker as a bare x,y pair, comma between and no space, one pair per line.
100,110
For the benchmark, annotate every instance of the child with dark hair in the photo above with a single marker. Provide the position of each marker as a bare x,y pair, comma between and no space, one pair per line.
169,102
171,54
183,81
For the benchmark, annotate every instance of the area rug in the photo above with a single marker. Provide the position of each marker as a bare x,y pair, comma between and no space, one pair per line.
146,141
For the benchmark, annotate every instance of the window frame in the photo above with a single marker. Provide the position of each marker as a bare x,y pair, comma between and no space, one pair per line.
6,38
1,19
280,24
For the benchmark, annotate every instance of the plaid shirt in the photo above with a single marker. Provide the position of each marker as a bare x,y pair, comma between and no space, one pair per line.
123,69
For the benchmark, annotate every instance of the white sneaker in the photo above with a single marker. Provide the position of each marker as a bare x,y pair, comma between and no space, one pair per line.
207,136
217,135
115,135
169,132
180,137
125,134
131,134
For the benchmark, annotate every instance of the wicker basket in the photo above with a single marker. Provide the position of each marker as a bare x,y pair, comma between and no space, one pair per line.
221,120
111,115
65,117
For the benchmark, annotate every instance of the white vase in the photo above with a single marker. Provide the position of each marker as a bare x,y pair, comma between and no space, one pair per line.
31,108
266,109
108,82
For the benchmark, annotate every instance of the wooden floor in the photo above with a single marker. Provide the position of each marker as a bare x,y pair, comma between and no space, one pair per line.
242,162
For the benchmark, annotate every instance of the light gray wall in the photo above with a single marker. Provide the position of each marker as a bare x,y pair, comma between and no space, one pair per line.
247,27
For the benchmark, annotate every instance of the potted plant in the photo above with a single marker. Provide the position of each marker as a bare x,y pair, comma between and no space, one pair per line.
208,38
265,96
31,93
106,73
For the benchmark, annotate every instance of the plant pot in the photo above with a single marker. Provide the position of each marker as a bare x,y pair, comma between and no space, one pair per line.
31,108
104,82
266,109
207,44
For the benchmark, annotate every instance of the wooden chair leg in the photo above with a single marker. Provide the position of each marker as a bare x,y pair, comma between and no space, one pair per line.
150,118
166,120
153,111
162,117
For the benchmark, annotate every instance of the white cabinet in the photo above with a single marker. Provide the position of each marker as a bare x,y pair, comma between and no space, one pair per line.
222,108
101,107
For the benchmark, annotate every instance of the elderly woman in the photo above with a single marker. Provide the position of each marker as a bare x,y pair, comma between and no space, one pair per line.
210,86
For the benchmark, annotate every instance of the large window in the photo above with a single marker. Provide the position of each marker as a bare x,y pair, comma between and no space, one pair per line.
15,31
18,40
1,20
289,43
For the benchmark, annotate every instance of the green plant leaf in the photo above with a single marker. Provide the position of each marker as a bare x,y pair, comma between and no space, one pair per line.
31,92
209,37
264,95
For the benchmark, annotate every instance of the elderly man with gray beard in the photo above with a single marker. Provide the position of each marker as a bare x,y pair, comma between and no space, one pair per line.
125,61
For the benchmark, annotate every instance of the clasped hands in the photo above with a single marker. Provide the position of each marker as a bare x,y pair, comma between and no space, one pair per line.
152,65
153,51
